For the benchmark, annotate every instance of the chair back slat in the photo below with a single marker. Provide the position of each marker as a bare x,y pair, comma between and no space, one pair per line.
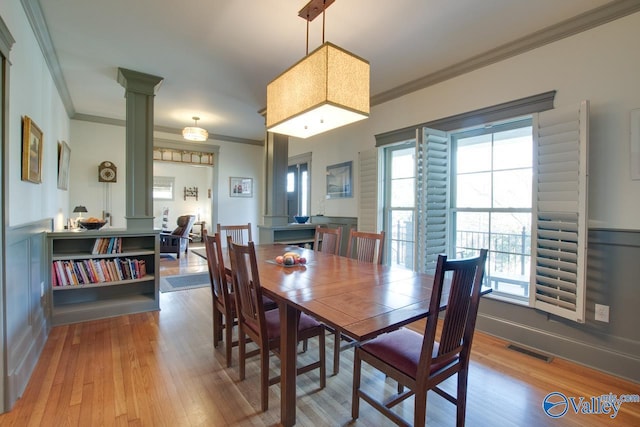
219,285
368,246
240,234
246,286
327,240
462,278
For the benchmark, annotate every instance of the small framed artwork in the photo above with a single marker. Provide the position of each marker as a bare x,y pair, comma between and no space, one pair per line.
240,187
339,180
31,151
64,156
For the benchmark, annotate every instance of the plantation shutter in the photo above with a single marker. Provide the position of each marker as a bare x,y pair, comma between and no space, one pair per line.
368,203
559,235
432,197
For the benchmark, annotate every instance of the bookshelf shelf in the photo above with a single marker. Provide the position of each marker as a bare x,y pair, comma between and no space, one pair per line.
86,285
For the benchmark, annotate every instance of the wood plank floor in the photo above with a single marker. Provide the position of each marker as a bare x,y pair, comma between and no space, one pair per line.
160,369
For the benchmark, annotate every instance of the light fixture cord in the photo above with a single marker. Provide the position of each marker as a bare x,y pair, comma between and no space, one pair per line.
324,9
307,32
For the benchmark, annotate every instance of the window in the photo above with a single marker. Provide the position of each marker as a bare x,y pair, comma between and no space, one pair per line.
163,187
491,184
400,204
480,188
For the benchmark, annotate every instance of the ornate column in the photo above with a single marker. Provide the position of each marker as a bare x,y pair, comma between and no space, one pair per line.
140,90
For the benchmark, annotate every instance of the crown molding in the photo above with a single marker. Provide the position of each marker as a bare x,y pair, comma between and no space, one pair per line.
39,26
165,129
585,21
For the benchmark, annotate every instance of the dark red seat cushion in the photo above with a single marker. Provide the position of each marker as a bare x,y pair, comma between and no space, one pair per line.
273,323
401,349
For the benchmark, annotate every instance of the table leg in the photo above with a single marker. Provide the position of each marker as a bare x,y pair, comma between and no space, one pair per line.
288,347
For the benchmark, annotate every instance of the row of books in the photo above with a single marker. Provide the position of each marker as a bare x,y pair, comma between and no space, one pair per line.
88,271
107,245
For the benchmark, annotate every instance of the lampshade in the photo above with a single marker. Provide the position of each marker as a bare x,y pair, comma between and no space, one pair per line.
195,133
80,208
326,89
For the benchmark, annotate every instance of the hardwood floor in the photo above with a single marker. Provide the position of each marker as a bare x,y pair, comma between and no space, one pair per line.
159,369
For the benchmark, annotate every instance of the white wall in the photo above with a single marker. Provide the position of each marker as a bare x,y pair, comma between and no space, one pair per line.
601,65
32,93
185,176
94,143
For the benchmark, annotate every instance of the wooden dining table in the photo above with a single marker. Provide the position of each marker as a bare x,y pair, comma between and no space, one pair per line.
360,300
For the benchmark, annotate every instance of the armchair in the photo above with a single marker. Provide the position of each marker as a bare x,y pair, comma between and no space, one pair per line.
178,240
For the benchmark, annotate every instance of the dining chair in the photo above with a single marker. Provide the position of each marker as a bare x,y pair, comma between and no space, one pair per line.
263,327
420,362
223,300
237,232
367,246
327,240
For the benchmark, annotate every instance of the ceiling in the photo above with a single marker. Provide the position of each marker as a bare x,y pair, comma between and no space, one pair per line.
217,56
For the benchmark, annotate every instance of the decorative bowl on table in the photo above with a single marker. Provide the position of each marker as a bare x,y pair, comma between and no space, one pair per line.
301,219
92,223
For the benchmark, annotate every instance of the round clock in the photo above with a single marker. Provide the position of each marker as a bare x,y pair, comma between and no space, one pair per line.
107,172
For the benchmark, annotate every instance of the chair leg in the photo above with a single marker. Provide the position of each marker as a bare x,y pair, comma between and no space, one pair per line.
264,378
420,409
217,322
461,398
322,358
228,340
355,399
241,353
336,353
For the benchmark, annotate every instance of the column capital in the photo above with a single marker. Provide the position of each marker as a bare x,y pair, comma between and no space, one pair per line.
135,81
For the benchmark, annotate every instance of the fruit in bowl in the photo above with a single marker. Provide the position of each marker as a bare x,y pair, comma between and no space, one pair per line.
92,223
290,258
301,219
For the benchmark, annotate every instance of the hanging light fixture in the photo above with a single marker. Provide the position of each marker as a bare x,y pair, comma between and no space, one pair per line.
327,89
195,133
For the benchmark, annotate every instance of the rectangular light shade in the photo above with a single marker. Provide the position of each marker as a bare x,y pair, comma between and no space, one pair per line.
326,89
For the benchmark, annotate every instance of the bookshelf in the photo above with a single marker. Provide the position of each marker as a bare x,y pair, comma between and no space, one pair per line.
98,274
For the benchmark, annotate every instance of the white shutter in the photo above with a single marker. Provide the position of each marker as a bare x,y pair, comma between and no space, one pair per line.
432,197
559,238
368,194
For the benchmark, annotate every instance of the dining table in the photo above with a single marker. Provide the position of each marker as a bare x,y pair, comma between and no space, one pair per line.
360,300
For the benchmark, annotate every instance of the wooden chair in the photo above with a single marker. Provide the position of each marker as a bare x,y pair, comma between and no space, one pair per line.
421,362
263,328
178,240
368,246
223,301
327,240
237,233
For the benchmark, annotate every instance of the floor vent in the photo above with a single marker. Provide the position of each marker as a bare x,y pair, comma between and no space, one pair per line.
530,352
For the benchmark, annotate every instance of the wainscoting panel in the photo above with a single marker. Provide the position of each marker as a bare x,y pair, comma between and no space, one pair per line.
613,278
27,294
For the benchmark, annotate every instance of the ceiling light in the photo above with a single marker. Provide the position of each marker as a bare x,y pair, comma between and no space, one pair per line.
195,133
327,89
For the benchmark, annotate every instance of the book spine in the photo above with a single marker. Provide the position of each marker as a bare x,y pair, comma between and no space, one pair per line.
96,265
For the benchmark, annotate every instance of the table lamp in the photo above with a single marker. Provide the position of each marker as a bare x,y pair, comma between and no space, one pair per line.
79,210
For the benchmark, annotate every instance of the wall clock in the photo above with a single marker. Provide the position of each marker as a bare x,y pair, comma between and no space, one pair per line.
107,172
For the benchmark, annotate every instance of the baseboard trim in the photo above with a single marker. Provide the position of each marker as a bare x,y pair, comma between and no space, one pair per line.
601,358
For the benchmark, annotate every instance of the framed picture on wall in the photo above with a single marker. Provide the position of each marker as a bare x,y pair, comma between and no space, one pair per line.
240,187
64,155
339,180
31,151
